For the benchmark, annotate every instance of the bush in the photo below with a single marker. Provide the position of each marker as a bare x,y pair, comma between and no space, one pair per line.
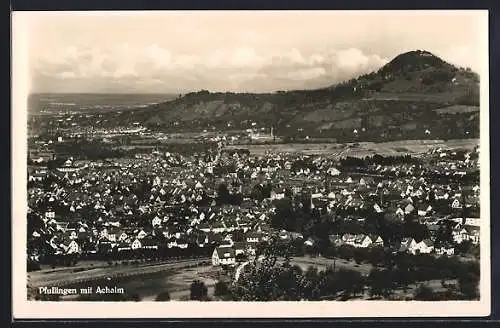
424,293
468,285
221,288
163,296
135,298
33,266
198,291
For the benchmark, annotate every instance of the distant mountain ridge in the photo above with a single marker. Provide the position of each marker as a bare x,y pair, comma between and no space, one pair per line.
414,95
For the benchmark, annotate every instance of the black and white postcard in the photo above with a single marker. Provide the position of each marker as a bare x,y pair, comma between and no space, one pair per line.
183,164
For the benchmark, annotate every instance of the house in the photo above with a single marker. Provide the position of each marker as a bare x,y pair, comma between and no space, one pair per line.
362,241
441,194
276,196
156,222
214,238
433,229
377,208
251,249
70,246
309,242
423,209
284,235
123,236
123,246
136,244
409,208
333,171
424,247
336,240
142,234
456,204
292,234
181,243
72,234
205,227
473,234
223,256
253,237
226,243
476,222
349,239
240,248
459,235
113,234
149,243
376,241
202,240
407,245
445,250
219,227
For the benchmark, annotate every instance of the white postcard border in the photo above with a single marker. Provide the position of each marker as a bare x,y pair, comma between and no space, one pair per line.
23,309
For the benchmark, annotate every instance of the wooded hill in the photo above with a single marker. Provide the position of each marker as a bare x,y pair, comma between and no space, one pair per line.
415,92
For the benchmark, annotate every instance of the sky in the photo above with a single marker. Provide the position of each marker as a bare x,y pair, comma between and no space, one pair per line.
178,52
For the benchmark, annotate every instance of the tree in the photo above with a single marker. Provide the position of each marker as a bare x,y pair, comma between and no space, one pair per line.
221,288
346,252
468,285
311,282
464,247
267,279
424,293
375,255
163,296
223,194
415,230
381,283
238,235
444,234
359,255
351,281
199,291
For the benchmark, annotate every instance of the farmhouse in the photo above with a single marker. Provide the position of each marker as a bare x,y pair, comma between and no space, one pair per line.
223,256
424,247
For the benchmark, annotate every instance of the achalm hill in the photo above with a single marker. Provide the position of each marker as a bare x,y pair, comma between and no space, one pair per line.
415,95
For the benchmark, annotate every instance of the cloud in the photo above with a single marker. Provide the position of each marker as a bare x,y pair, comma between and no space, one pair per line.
155,68
461,55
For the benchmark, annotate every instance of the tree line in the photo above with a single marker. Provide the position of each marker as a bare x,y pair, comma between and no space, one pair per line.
272,280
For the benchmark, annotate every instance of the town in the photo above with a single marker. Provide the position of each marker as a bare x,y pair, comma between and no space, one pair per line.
229,206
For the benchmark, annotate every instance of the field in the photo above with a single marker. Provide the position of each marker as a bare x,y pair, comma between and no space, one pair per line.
362,149
457,109
322,263
364,268
147,281
436,97
180,274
